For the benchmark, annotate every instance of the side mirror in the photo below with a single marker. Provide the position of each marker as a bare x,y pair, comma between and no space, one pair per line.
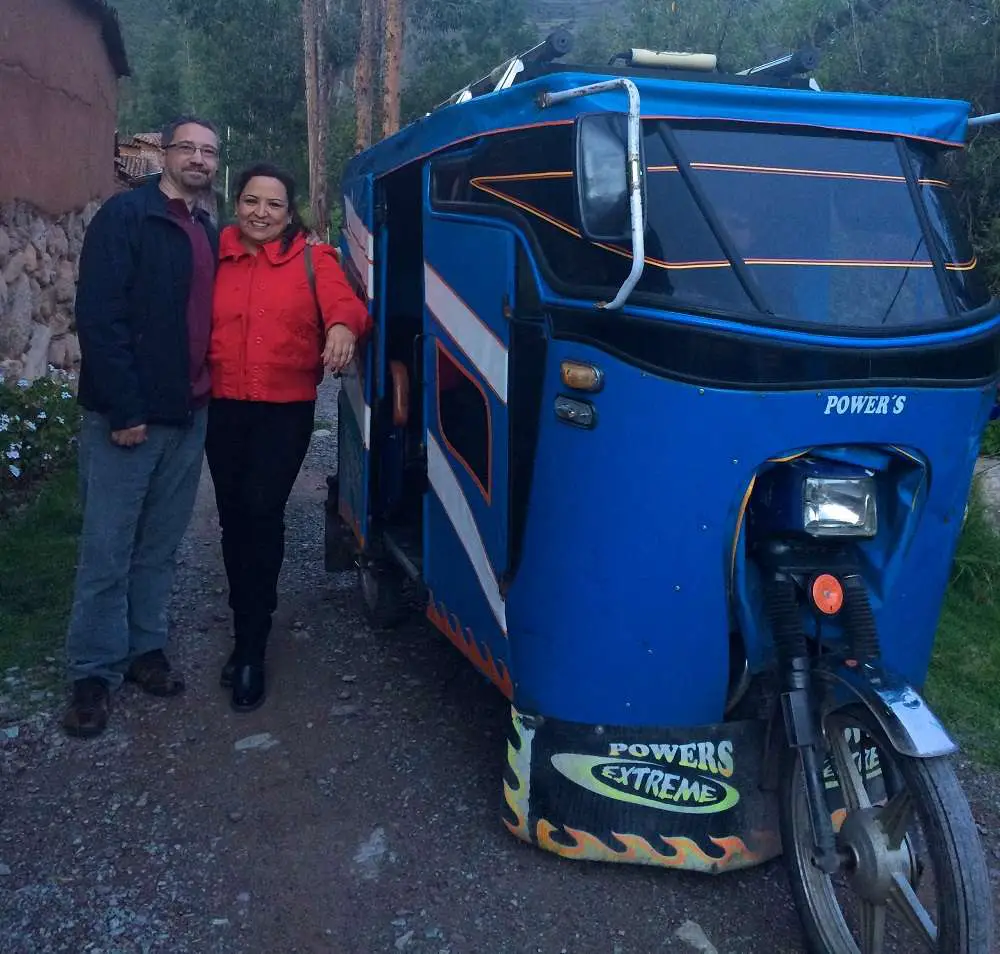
602,179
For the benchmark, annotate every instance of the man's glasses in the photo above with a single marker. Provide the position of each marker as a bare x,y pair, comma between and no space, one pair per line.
188,149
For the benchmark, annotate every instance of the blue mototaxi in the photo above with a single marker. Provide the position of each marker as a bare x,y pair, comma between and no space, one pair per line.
669,419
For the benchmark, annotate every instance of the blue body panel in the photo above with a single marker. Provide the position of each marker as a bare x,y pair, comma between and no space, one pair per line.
619,613
463,314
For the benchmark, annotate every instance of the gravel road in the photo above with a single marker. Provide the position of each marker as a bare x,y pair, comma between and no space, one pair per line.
357,812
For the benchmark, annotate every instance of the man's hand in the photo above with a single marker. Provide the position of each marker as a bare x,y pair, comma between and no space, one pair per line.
130,436
339,350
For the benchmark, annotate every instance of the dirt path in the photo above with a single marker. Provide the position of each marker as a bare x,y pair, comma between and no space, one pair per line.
356,812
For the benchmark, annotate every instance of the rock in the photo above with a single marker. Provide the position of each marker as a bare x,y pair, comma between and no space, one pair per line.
370,853
30,258
337,712
90,210
4,871
14,268
690,933
36,359
236,815
38,232
16,329
5,245
65,282
46,269
263,740
322,432
58,242
403,941
243,897
64,351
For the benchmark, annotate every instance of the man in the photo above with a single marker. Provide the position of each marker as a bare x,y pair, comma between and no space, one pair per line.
143,314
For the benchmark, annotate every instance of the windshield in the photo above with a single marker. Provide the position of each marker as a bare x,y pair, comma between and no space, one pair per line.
825,224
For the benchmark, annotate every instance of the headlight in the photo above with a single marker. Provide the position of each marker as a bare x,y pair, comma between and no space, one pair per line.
840,507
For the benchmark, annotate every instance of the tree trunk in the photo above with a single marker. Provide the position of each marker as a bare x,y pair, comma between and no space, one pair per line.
363,75
393,58
317,96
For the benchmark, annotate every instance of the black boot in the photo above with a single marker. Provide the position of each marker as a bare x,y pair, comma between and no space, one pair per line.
249,688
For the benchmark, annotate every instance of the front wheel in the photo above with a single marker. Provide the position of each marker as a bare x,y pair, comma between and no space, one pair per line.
913,876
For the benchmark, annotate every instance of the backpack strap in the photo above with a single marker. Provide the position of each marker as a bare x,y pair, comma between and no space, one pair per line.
311,275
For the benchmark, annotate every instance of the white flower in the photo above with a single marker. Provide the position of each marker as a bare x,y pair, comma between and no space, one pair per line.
24,383
46,457
42,415
15,471
66,395
60,420
4,421
14,452
30,425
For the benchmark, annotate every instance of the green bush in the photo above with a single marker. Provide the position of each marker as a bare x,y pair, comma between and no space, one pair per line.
39,421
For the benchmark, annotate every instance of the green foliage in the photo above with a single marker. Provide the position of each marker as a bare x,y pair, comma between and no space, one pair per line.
38,547
965,671
456,43
38,424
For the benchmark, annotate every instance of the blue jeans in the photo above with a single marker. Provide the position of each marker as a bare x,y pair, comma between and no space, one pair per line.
137,503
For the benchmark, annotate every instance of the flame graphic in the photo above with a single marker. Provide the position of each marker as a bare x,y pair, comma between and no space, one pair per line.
685,852
517,795
466,644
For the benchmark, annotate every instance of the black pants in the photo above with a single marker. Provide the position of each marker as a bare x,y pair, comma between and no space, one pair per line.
255,450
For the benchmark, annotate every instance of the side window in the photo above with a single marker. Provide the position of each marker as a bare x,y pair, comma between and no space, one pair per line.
464,418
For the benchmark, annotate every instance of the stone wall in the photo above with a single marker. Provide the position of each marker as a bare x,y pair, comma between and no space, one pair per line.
39,265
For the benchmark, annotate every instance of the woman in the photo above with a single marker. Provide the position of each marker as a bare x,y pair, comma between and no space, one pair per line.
271,339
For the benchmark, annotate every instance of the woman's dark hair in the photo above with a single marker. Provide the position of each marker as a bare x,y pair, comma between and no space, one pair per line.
296,226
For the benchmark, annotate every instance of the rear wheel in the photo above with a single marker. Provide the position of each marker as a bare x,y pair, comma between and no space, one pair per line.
913,876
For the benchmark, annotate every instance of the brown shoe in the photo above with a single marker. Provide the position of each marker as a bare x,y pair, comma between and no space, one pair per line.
87,713
152,673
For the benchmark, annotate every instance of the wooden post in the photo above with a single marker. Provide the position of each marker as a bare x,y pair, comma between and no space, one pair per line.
363,75
393,61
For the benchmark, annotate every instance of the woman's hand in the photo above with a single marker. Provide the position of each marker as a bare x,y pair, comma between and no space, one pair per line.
339,350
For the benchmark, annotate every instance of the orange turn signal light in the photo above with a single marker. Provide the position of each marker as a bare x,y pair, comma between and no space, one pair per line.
581,377
827,594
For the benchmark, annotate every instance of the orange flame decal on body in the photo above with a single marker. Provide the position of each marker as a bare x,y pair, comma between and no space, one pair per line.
466,644
518,793
685,853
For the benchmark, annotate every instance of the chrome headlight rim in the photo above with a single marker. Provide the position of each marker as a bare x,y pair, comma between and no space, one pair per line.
840,506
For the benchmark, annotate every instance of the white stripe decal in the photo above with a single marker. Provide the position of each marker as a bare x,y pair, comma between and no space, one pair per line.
365,268
361,245
351,383
449,492
481,346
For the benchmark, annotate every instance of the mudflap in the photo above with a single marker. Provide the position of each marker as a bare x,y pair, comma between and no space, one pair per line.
339,545
676,798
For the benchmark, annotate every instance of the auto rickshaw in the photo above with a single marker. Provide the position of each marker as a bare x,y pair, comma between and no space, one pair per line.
669,421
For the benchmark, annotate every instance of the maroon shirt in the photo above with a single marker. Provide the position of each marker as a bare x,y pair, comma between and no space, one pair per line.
199,307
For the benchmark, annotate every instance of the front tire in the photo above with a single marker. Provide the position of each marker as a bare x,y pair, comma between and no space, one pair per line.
902,829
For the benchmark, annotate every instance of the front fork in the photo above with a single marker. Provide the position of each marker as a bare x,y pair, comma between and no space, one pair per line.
799,701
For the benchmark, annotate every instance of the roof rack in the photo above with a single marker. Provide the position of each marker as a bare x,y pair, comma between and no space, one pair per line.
668,63
558,43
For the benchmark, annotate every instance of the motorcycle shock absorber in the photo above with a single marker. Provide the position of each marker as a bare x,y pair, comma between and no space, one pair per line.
858,619
784,614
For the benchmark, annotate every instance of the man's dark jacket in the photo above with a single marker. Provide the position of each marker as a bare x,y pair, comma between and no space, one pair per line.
131,311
